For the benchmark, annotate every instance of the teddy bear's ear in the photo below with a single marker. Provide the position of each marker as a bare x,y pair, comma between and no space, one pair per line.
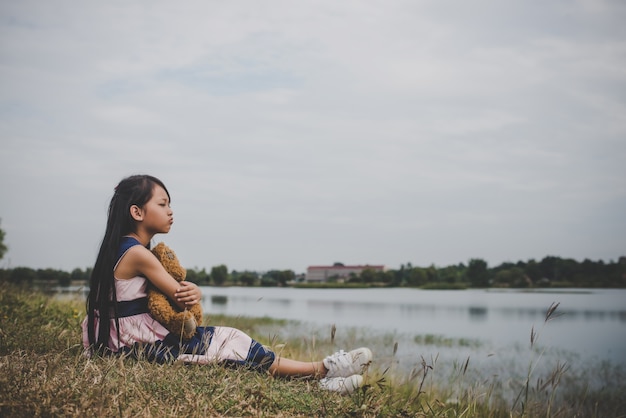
158,250
164,254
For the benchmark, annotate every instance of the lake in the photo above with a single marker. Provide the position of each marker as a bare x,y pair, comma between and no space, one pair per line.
589,326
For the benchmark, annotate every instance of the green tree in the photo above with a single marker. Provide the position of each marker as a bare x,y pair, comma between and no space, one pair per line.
512,277
277,277
219,274
77,275
191,275
477,273
449,274
368,275
386,277
247,279
203,277
399,276
619,272
532,269
268,281
3,247
64,278
432,275
23,275
548,267
416,276
199,277
286,276
352,278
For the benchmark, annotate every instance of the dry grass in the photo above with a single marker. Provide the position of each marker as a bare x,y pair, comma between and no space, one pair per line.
43,373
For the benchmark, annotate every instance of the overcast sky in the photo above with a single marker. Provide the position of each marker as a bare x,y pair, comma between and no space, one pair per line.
297,133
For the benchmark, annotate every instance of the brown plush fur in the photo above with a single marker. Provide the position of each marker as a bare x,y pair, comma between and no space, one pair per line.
176,321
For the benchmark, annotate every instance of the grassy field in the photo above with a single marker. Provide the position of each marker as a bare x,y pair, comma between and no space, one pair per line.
43,373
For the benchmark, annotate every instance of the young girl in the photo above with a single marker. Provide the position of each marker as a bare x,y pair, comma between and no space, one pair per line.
118,320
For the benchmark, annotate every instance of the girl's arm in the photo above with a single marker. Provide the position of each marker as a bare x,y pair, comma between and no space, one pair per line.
139,261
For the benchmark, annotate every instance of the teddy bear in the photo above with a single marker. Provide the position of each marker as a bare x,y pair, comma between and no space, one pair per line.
180,323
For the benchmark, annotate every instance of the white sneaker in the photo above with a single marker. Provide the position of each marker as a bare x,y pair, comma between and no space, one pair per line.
342,385
342,364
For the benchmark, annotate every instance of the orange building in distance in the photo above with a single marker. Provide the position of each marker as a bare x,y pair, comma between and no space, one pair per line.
342,272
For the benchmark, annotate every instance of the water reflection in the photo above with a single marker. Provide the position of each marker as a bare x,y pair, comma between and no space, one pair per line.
478,313
340,306
281,302
219,299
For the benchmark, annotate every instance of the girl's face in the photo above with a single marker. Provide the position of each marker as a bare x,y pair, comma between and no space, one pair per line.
158,215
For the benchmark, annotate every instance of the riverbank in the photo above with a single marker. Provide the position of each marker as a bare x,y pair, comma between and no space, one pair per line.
43,373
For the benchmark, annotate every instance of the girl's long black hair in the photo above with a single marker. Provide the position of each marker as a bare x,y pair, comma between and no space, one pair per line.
133,190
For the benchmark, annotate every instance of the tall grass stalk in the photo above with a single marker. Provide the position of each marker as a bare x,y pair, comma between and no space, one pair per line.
554,378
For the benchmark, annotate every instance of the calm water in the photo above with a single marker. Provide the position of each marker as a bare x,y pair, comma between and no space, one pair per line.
592,324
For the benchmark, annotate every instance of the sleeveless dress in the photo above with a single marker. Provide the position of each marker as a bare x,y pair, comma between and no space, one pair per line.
143,337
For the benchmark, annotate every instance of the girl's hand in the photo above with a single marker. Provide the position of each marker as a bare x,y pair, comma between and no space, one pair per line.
188,293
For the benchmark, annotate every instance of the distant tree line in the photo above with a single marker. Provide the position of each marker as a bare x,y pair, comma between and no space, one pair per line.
45,277
549,272
219,276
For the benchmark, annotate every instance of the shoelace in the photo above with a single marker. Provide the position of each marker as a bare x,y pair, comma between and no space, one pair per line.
333,358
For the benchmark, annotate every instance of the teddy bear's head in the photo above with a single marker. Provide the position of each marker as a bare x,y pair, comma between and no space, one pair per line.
168,258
